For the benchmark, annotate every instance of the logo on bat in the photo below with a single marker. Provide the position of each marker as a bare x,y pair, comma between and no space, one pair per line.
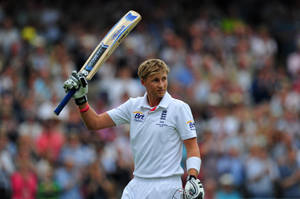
118,32
99,52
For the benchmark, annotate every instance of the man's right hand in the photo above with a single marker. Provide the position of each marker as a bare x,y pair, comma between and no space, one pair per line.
78,82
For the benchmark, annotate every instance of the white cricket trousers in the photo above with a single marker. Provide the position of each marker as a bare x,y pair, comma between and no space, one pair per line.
153,188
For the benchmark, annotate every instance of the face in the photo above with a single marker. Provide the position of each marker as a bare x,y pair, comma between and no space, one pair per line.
156,85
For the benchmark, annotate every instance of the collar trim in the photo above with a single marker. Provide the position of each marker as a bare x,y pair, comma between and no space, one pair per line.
165,101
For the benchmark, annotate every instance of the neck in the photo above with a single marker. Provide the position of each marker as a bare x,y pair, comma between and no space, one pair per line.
153,101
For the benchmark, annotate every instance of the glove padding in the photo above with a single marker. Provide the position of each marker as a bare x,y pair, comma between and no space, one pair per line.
193,188
78,82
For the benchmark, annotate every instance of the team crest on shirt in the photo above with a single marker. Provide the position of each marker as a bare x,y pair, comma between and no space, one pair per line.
139,116
163,118
163,115
191,125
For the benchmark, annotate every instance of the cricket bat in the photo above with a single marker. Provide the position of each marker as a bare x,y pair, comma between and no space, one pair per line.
103,50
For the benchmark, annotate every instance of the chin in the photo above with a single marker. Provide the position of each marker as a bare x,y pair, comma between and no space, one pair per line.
161,94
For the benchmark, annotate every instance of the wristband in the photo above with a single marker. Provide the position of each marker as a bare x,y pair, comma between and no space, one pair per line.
81,100
85,109
193,163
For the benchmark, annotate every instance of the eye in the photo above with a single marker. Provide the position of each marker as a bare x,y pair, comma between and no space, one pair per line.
155,80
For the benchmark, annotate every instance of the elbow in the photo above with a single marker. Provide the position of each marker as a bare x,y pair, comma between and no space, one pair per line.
91,123
97,122
91,127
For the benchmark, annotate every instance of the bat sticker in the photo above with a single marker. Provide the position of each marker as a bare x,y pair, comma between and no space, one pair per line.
96,57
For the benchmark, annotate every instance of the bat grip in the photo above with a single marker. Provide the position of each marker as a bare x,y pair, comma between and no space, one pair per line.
64,101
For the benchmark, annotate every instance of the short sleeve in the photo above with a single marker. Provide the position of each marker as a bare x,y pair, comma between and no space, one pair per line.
185,122
121,114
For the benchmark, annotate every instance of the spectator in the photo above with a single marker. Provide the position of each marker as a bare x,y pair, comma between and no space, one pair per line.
293,62
231,163
290,175
96,184
261,173
81,155
227,188
48,188
24,181
7,167
262,45
123,83
68,178
9,35
261,87
30,127
51,140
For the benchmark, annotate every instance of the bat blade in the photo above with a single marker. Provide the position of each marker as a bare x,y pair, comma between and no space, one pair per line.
104,49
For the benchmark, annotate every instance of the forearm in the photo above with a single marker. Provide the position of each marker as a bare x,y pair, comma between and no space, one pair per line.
89,116
194,153
193,187
94,121
193,171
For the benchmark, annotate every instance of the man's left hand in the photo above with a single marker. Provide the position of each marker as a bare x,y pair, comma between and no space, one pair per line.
194,188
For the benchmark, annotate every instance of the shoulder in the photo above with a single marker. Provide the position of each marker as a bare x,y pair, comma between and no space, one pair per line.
179,104
134,101
130,104
179,109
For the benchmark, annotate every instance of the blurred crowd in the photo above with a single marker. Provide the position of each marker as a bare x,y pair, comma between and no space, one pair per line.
241,80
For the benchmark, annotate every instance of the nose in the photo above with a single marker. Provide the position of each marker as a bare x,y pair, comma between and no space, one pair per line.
161,84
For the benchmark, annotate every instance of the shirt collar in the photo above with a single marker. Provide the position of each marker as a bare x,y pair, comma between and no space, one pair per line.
165,101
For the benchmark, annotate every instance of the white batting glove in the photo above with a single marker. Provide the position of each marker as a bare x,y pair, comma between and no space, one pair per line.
78,82
194,188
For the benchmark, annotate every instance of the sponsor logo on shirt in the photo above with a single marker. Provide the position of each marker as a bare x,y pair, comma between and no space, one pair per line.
139,116
191,125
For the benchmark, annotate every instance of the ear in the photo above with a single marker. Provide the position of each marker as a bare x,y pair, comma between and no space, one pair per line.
143,82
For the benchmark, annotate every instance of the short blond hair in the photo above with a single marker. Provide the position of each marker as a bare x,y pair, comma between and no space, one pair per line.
151,67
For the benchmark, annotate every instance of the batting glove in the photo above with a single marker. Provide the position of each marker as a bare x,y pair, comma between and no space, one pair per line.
194,188
78,82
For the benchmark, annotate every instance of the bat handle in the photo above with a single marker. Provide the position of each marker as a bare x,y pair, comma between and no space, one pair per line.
64,101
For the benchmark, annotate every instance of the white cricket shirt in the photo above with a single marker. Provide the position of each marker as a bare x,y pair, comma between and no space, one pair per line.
156,136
